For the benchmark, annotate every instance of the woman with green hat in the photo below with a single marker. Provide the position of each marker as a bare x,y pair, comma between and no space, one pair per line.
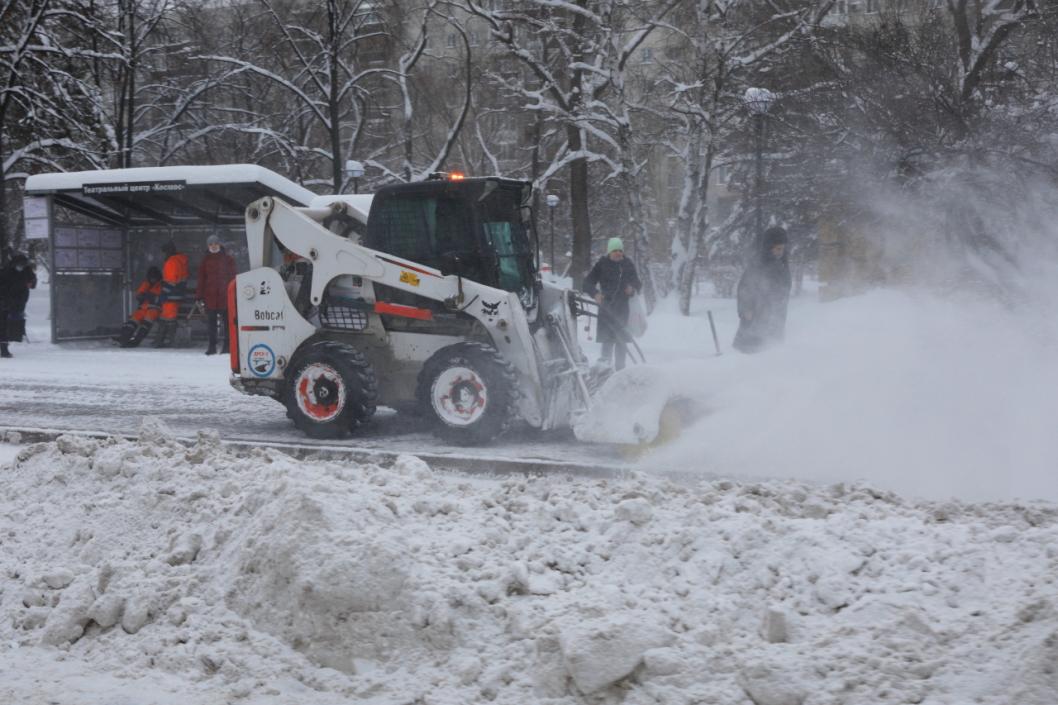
613,281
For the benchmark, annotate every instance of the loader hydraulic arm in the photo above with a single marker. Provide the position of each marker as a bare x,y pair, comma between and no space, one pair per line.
272,221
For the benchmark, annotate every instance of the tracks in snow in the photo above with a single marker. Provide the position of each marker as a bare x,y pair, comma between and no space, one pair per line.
456,462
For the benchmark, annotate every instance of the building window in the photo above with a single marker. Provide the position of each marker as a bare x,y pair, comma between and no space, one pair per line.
646,55
450,40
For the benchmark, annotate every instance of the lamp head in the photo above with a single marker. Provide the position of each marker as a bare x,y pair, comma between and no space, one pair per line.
353,168
758,101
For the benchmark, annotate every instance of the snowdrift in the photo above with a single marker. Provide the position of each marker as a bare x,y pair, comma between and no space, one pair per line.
151,572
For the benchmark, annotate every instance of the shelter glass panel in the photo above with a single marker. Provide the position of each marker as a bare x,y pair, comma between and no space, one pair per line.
86,304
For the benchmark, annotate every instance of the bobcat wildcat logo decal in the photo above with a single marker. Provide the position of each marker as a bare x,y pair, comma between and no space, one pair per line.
266,289
261,360
490,309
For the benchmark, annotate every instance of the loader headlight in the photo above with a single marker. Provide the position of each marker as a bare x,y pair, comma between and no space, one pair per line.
249,291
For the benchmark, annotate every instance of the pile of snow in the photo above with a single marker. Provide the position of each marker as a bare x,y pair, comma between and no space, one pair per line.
928,395
157,573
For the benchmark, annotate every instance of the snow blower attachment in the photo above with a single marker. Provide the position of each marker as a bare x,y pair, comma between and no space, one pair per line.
432,304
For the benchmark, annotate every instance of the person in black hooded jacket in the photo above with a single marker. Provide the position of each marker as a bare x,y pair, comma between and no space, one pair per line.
764,294
16,279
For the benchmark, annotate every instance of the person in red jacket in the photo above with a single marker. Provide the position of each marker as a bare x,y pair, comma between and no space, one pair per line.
214,274
175,272
141,320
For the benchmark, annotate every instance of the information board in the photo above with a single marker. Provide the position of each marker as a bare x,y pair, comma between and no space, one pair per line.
37,216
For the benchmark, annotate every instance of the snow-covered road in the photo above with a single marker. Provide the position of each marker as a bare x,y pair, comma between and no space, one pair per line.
93,386
926,395
90,387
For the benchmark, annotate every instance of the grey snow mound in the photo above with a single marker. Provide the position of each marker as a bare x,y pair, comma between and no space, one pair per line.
204,577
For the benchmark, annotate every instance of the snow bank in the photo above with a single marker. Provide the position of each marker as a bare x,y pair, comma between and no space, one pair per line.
261,579
911,391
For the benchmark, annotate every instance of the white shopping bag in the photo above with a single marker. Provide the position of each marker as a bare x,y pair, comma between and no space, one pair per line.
637,316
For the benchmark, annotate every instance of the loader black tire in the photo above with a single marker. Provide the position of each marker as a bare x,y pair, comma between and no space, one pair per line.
330,389
488,389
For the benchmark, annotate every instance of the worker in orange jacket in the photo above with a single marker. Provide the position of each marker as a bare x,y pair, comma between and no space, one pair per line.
175,272
139,324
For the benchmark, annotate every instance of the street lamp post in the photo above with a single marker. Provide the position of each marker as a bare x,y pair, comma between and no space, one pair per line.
758,102
552,202
354,170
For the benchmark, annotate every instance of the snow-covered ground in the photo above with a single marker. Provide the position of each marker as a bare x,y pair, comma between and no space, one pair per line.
8,451
925,395
892,565
149,572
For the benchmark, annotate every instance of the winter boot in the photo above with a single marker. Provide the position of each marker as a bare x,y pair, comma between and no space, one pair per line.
4,351
138,336
211,350
125,334
166,331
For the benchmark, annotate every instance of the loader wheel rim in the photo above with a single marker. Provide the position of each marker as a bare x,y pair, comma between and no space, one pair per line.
459,396
320,392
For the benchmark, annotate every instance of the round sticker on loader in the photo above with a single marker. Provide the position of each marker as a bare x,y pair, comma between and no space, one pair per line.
261,360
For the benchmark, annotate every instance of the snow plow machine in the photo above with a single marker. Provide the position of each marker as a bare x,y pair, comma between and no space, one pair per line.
429,304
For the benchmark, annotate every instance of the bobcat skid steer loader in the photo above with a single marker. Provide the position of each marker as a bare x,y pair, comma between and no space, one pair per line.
432,306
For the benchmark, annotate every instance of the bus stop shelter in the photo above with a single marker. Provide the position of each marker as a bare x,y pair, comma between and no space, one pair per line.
105,228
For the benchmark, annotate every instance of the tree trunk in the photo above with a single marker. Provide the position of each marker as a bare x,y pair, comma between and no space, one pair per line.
642,250
695,229
334,126
578,204
634,203
578,170
3,196
130,105
534,167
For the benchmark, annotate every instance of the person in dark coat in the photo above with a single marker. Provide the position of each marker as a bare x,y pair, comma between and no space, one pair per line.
613,281
764,294
214,274
16,279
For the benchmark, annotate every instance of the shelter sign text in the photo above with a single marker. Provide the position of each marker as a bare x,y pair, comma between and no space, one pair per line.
133,188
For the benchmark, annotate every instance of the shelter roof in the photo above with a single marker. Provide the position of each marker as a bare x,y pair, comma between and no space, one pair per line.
167,195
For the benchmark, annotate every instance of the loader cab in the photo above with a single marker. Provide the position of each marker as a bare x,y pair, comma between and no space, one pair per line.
476,228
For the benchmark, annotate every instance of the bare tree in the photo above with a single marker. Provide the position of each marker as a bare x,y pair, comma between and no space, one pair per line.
413,110
326,87
981,29
46,113
724,47
574,51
